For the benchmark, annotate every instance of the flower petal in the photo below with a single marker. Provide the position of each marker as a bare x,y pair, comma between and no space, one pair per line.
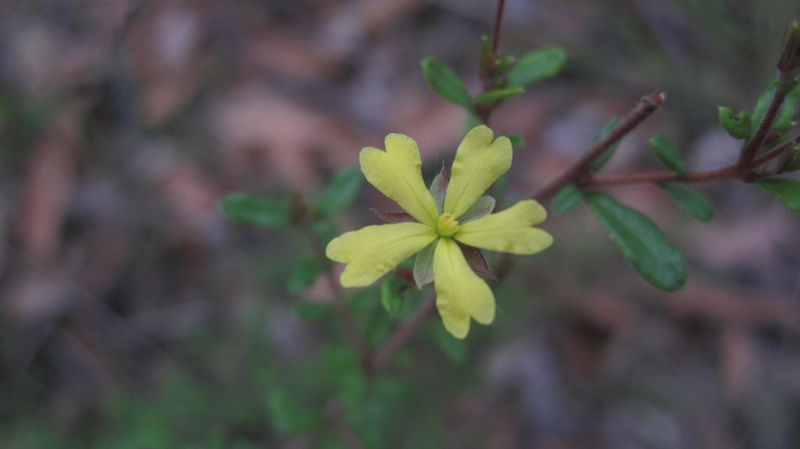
460,293
397,173
478,164
508,231
372,251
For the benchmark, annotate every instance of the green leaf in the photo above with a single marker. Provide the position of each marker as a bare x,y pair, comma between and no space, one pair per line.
304,274
256,210
325,229
423,265
446,83
536,66
786,190
499,95
455,349
566,199
309,310
601,160
739,126
471,121
668,152
640,241
341,192
391,294
505,63
288,416
694,203
788,109
486,51
517,141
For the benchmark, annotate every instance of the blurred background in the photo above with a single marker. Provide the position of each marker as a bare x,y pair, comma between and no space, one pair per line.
134,315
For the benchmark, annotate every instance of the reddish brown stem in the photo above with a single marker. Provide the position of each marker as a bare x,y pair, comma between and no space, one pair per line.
498,23
750,149
335,414
402,334
659,177
646,106
343,314
776,152
729,172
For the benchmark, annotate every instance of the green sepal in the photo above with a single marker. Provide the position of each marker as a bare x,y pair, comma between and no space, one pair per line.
483,206
423,265
438,187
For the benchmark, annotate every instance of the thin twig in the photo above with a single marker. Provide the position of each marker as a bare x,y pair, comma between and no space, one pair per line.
729,172
334,411
646,106
750,149
402,334
348,322
498,23
781,149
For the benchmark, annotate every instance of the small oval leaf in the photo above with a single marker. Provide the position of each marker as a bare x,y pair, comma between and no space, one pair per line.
668,152
256,210
341,192
304,275
786,190
640,241
566,199
496,96
694,203
536,66
446,83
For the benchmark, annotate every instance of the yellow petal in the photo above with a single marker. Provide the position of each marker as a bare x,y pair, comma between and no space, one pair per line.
372,251
397,173
478,164
508,231
460,293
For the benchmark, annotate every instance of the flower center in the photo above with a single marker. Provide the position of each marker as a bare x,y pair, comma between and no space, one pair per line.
447,225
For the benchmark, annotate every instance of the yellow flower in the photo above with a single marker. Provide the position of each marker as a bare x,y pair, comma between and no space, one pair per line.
373,251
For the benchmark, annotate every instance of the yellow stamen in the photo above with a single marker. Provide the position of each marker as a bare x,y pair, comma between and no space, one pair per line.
447,225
